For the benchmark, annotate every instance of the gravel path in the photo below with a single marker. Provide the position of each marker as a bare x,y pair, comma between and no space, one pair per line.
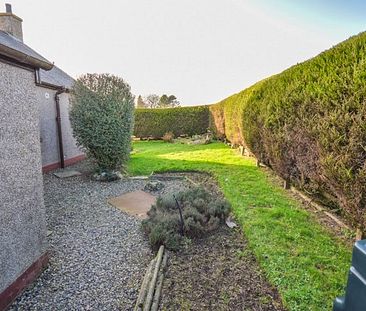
98,254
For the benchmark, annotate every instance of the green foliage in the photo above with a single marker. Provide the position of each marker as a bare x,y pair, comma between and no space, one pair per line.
305,261
101,116
202,212
154,101
217,120
308,124
183,120
168,101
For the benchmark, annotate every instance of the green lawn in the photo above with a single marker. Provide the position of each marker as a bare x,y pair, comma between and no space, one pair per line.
304,261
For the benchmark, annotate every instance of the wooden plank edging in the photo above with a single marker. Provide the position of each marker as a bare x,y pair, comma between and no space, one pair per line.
156,300
319,207
150,291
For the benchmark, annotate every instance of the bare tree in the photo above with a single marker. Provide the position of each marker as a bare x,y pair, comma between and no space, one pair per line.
152,101
155,101
140,102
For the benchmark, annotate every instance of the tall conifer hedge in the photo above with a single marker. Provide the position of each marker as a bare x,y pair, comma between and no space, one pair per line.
182,120
309,124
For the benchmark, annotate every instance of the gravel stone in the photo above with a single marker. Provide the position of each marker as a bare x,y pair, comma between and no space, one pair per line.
98,254
154,186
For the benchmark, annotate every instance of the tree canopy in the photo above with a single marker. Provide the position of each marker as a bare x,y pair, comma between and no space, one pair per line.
156,101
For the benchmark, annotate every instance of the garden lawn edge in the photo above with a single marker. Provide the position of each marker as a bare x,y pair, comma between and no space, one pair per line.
305,261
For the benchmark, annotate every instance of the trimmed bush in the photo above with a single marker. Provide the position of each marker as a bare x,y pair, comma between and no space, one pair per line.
180,121
309,124
202,212
101,116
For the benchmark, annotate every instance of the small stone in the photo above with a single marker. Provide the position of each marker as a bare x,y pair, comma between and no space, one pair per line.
230,223
108,176
154,186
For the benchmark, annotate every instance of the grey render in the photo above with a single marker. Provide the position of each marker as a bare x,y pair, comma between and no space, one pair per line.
48,130
48,84
28,84
7,24
22,212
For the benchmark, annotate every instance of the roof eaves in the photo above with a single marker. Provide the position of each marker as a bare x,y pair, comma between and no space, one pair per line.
24,58
53,86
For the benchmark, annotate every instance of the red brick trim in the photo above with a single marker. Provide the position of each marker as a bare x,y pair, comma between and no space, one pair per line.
74,160
53,166
12,291
50,167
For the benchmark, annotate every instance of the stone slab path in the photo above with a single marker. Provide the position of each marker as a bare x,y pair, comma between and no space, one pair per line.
67,173
136,203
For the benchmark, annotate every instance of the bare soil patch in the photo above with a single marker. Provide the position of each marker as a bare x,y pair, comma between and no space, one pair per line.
217,272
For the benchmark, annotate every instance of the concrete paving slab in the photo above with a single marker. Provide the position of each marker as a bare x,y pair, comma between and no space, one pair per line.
136,203
67,174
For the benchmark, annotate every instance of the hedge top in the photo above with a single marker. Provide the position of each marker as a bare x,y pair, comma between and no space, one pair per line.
182,120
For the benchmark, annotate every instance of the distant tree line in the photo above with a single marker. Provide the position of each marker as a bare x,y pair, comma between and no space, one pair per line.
156,101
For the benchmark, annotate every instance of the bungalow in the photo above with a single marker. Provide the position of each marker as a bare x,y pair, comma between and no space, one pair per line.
35,133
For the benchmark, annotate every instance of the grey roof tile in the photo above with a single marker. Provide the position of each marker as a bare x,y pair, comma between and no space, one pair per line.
14,44
56,77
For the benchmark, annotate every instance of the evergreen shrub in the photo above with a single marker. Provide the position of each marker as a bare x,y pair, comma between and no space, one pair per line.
179,121
309,124
202,212
101,116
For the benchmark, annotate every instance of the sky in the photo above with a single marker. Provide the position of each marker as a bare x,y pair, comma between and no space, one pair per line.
201,51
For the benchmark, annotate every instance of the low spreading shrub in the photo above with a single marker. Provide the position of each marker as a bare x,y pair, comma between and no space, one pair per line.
101,116
180,121
201,212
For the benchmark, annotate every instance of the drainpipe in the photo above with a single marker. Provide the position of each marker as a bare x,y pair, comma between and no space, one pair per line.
59,127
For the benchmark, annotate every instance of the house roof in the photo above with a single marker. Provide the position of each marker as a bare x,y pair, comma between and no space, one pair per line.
15,49
50,75
56,78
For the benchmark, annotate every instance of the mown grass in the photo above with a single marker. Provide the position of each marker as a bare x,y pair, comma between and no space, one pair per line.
304,261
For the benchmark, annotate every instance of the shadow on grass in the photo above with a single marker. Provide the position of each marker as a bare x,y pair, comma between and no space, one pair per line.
306,263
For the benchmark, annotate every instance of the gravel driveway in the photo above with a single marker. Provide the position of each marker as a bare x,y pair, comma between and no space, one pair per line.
98,254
